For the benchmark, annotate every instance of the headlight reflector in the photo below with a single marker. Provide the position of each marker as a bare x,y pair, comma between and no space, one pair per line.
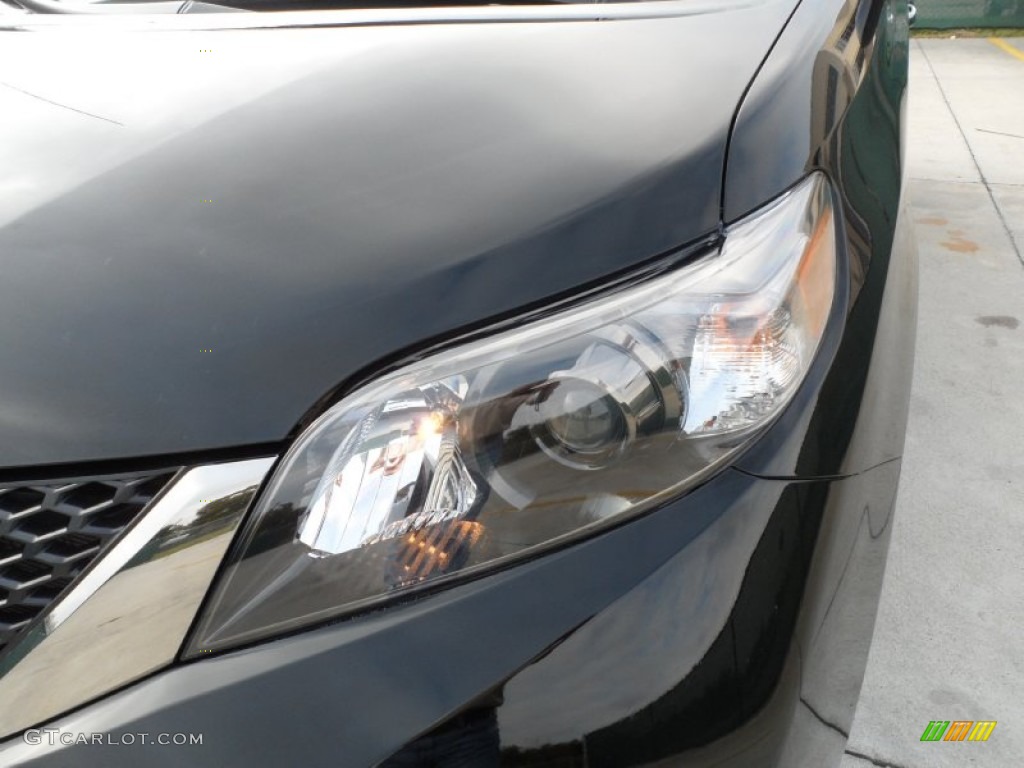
502,445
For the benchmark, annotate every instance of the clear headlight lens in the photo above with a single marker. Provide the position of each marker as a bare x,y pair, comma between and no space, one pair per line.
497,447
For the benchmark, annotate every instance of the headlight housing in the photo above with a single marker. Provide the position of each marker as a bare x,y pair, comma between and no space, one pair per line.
501,446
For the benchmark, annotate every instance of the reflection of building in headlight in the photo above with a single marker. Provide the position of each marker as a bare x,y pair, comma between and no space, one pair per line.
404,470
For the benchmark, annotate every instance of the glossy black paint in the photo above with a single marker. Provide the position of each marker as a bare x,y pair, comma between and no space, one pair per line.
712,654
729,627
690,640
372,188
832,97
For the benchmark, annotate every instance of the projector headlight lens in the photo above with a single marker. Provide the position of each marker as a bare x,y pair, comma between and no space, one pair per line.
495,448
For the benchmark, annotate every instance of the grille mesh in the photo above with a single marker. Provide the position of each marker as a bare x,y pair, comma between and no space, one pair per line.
51,530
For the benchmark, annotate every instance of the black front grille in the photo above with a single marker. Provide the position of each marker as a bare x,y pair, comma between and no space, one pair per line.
50,531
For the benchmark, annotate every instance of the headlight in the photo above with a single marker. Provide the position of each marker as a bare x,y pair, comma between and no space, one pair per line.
501,446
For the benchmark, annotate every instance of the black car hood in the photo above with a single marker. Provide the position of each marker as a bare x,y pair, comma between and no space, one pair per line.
203,233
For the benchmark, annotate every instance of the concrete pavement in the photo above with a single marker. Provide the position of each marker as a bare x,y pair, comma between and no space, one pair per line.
949,642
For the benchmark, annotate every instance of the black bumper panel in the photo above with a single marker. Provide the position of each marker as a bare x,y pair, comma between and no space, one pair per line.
678,633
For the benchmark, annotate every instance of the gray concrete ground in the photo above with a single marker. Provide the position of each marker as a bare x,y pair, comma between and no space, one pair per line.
949,643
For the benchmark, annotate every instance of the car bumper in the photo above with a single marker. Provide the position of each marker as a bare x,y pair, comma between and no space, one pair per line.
735,621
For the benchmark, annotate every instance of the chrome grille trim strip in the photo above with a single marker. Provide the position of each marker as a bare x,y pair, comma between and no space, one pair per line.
129,614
